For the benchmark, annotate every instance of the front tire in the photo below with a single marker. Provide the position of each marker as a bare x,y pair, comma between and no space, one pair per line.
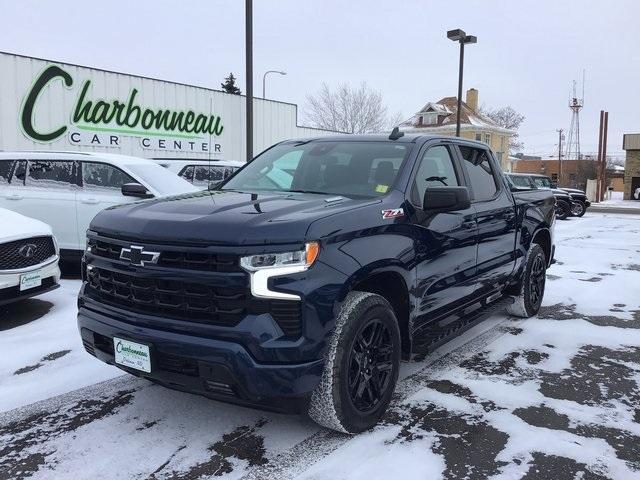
527,303
362,366
562,210
578,209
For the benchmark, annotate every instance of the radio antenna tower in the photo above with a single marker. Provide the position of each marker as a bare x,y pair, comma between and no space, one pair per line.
573,138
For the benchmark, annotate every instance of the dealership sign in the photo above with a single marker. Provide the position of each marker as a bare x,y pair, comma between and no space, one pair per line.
100,122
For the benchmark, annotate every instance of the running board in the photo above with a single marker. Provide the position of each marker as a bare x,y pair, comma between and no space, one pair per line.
431,336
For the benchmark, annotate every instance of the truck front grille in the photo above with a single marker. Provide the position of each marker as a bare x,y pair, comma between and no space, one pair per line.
174,299
26,253
181,259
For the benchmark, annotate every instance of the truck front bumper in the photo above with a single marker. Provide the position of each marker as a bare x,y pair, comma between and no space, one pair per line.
219,369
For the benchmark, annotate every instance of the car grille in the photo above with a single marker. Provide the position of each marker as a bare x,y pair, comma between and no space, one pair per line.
186,260
11,259
175,299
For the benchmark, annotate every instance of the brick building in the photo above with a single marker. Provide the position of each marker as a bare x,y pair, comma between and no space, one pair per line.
575,173
631,144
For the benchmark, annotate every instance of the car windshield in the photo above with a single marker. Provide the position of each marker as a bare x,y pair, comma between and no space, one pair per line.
161,179
543,182
348,168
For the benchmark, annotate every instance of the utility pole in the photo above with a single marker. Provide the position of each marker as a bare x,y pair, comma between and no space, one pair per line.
249,73
560,136
603,166
599,159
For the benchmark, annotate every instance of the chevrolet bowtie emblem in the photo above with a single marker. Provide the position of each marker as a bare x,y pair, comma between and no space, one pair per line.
139,256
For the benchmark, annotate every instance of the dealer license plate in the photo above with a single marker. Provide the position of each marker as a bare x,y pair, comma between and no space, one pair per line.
132,354
30,280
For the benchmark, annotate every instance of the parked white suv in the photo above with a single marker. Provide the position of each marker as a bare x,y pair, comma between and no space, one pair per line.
28,257
201,173
66,190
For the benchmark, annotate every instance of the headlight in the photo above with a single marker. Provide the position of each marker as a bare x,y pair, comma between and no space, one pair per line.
264,266
301,258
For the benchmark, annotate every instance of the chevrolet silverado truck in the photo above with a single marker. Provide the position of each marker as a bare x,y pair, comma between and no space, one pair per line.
300,283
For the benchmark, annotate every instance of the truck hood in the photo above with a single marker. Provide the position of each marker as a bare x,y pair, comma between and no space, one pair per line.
222,217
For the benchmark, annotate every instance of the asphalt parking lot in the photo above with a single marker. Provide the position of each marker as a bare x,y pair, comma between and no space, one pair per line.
557,396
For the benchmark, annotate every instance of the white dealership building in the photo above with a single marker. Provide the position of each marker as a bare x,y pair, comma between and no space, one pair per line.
49,105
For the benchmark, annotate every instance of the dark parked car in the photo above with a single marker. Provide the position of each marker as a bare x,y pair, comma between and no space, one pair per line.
300,283
578,197
525,181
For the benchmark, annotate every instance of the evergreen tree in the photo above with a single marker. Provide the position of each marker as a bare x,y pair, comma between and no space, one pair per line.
229,85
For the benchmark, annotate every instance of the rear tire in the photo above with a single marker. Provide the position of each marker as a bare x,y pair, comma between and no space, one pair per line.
527,303
361,368
562,210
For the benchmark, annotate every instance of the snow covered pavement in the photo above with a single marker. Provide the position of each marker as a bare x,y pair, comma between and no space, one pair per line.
557,396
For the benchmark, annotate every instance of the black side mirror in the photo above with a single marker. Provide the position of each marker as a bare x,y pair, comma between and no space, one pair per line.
446,199
135,190
554,184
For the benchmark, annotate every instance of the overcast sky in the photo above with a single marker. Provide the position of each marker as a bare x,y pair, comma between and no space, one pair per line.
527,55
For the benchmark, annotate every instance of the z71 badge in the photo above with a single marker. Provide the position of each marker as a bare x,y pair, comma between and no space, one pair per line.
392,213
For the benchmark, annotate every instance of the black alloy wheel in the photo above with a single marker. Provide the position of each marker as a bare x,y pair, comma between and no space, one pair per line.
370,366
577,209
537,280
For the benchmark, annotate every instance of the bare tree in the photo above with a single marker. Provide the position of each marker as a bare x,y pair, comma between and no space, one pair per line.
349,109
507,118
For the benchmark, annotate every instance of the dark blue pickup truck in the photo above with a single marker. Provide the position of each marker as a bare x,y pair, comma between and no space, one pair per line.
300,283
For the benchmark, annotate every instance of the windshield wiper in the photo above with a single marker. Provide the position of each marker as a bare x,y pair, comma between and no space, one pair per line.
310,191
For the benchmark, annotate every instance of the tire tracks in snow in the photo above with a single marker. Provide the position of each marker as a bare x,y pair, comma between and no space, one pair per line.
294,461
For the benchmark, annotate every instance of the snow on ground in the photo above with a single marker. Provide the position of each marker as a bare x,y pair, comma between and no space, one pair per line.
556,396
42,354
616,201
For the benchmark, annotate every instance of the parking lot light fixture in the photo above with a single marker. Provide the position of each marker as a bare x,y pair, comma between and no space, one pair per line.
264,77
462,38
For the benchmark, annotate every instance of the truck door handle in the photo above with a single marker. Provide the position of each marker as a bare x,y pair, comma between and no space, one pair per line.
14,196
90,201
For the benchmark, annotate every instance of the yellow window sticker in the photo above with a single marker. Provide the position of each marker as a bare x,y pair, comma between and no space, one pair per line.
382,188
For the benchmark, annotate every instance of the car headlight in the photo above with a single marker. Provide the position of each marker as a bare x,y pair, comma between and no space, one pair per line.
304,258
264,266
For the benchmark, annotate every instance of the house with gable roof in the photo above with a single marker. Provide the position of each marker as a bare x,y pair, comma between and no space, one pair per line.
440,118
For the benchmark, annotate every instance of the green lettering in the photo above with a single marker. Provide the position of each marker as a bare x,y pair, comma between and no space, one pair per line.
27,109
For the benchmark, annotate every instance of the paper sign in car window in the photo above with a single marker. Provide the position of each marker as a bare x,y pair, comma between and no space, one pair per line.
382,188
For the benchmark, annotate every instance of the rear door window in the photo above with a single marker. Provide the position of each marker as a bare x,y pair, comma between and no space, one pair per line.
51,174
483,182
187,173
103,176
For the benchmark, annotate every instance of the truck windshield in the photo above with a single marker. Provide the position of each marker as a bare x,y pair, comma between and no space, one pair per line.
520,181
364,169
542,182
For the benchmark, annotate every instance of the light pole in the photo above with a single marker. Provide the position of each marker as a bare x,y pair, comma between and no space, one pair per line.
264,77
462,38
248,18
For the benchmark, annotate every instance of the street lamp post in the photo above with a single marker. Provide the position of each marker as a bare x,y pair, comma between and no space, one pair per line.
462,38
264,77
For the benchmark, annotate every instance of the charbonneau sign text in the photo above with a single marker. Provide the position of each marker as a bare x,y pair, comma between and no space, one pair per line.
127,117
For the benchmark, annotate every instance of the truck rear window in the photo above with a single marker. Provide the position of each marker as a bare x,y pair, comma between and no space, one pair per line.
365,169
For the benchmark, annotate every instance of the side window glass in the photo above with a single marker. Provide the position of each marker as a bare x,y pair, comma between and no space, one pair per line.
5,171
103,176
435,170
187,173
19,173
51,174
478,166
